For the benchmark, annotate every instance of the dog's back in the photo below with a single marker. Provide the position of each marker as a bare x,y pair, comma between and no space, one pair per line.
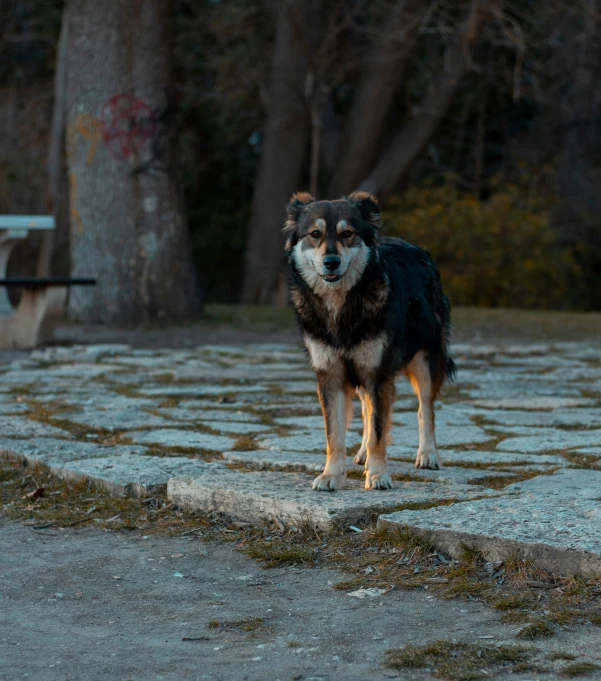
419,312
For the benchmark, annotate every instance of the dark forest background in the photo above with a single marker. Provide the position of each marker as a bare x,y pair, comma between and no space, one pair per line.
477,124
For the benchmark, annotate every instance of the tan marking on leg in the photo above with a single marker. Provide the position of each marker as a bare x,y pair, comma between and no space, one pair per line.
378,400
418,372
362,453
334,395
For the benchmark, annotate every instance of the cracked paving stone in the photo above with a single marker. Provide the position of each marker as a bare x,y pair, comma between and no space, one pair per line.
182,438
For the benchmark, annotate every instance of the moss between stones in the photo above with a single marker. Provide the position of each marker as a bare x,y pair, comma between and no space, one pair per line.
499,482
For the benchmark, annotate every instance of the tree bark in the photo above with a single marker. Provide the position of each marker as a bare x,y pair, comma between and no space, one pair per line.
413,137
55,160
380,83
284,146
127,220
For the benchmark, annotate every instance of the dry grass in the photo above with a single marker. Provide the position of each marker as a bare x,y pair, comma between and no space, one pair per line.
579,669
538,628
371,558
248,625
31,494
458,661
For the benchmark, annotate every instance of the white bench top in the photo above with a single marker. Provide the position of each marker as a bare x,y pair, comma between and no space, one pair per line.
26,222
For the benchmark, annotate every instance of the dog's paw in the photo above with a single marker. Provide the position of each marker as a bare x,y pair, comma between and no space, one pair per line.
328,483
360,457
427,459
377,480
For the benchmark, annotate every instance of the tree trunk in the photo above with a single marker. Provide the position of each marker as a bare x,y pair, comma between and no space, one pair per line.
381,80
284,145
128,226
55,160
413,137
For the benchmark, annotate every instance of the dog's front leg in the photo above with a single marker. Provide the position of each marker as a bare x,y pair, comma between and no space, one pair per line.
335,398
379,399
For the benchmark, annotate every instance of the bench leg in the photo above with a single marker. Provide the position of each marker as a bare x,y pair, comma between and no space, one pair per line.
33,321
7,243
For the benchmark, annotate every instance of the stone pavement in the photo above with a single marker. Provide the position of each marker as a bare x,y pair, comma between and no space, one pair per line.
238,430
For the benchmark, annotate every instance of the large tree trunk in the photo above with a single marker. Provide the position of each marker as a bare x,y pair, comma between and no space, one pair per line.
128,226
380,82
55,161
284,146
413,137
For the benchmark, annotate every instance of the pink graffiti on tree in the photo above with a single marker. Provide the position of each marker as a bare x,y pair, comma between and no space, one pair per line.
128,124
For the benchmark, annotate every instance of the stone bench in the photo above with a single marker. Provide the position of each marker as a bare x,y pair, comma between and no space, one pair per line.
43,298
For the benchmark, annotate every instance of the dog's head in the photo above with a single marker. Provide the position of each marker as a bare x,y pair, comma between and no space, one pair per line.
331,242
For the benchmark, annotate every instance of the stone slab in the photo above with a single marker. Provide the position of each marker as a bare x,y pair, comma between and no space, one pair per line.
562,535
445,436
262,496
204,414
309,441
16,426
565,417
314,463
237,427
535,403
133,474
116,419
55,452
182,438
552,439
13,408
450,457
576,483
200,390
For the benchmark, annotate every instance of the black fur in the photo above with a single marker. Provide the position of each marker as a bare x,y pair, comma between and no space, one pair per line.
399,293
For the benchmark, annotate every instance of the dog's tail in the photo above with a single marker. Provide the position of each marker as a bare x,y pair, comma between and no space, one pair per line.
451,370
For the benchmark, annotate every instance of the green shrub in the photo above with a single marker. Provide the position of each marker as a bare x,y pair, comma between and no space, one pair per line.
502,252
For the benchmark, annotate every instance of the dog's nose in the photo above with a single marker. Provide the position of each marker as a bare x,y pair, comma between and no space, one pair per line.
331,262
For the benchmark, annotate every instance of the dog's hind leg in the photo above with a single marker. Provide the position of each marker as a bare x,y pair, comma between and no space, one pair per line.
362,453
379,400
426,389
335,396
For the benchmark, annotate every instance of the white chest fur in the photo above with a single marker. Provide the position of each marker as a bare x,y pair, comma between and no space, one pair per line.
364,355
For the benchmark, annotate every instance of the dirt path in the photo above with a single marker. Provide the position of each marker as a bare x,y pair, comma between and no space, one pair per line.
90,606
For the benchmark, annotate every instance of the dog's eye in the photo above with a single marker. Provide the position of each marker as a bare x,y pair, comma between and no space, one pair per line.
315,234
347,234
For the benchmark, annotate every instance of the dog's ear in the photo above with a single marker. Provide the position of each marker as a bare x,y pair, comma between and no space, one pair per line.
296,204
294,209
367,204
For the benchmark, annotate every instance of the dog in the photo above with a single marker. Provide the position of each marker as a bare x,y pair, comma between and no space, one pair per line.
369,308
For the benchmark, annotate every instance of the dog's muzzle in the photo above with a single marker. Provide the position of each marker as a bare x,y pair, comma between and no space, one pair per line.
331,263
